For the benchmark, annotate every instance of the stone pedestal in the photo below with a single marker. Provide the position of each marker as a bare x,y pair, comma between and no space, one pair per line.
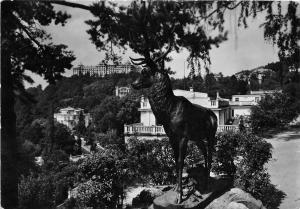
194,194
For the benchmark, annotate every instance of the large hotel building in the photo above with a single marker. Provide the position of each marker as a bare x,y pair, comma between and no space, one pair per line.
102,69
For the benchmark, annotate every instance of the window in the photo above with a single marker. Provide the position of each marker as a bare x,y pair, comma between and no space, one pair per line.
232,113
236,99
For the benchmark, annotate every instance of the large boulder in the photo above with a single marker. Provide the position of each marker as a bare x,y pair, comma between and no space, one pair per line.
218,195
235,198
146,197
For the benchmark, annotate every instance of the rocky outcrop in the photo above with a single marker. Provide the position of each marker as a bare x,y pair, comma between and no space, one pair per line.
235,198
218,195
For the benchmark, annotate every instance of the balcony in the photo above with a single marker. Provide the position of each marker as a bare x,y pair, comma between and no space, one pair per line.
214,103
222,128
140,129
242,103
218,103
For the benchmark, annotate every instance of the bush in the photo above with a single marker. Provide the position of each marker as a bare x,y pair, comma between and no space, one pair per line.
103,177
153,160
36,191
96,194
145,198
273,111
243,156
46,189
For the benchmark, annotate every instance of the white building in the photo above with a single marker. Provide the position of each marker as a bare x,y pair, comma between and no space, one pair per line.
122,91
102,69
70,117
241,104
149,129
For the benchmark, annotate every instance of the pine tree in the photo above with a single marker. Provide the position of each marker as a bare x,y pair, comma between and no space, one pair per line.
24,46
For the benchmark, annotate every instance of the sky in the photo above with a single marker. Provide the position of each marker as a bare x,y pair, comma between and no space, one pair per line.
245,49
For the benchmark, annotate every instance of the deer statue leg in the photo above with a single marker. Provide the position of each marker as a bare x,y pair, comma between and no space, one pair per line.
210,149
204,151
182,152
176,156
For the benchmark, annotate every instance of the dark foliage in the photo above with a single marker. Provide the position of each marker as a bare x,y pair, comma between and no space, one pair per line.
243,156
24,47
46,188
273,111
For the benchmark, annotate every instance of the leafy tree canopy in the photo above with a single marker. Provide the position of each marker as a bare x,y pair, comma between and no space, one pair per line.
24,46
148,26
28,44
273,111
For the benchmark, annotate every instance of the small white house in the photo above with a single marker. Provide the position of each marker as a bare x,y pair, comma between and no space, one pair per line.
122,91
149,129
70,117
241,104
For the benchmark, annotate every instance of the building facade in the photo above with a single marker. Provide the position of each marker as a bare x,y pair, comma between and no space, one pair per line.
149,129
102,70
70,117
241,104
122,91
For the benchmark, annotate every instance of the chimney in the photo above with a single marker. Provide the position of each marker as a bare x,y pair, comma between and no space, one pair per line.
191,89
218,96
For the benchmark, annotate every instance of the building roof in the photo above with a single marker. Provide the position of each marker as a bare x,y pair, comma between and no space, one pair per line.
265,91
70,108
189,94
246,95
257,93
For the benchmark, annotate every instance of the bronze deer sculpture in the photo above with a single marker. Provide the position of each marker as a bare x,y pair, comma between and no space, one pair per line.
181,119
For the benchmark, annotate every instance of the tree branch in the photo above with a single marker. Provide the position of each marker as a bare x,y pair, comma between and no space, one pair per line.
226,7
207,16
235,6
72,4
28,33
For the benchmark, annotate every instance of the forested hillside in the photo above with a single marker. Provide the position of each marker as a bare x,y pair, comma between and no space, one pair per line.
96,95
39,135
109,113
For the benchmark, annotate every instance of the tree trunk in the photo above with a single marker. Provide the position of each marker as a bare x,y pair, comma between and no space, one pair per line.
9,178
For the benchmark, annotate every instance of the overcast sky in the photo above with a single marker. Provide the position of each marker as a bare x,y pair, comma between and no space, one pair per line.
245,50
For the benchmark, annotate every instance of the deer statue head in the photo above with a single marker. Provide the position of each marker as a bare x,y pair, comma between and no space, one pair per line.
145,80
151,69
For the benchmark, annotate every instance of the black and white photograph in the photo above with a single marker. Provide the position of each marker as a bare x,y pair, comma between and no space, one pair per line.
150,104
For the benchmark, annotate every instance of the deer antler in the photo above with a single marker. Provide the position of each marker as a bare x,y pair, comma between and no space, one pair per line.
152,64
138,61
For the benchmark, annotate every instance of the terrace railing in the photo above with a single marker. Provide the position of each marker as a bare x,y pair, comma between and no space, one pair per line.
222,128
141,129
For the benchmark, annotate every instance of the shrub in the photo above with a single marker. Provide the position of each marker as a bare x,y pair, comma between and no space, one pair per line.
96,194
243,156
144,199
46,189
153,160
103,177
36,191
272,111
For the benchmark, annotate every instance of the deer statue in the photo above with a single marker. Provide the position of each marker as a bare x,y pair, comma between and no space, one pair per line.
181,119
